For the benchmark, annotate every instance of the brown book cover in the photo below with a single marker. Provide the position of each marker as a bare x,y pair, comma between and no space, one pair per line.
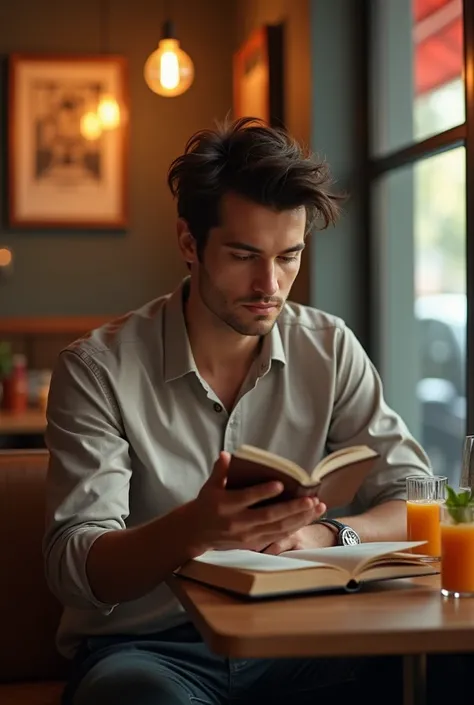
334,481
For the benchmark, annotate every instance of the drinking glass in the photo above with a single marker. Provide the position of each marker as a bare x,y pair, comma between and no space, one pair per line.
467,467
425,495
457,551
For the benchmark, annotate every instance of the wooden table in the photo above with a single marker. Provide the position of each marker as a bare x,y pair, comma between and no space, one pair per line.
32,421
398,617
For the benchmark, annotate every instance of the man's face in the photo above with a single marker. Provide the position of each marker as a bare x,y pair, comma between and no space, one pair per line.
249,264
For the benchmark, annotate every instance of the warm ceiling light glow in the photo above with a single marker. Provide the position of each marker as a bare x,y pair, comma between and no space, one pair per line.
91,126
6,257
169,71
108,112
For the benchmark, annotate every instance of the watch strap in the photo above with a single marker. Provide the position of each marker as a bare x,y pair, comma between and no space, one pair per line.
332,522
345,534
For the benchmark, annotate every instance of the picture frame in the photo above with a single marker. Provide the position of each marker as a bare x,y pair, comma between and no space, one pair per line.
258,76
57,177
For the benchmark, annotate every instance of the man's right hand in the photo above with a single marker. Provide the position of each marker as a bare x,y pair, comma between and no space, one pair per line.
224,519
119,568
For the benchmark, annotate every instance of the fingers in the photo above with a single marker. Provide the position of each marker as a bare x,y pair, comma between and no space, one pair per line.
277,547
237,500
285,526
218,477
283,510
320,509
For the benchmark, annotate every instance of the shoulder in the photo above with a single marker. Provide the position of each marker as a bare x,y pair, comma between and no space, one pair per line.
308,333
297,320
123,335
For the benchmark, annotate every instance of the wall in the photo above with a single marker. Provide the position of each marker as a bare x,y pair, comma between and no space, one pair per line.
66,273
340,257
297,84
322,109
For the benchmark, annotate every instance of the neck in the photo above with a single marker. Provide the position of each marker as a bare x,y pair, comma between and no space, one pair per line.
216,347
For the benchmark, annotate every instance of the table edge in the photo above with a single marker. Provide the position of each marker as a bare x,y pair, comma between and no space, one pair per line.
369,644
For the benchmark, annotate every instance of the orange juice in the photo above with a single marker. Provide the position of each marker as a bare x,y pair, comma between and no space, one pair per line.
423,524
457,557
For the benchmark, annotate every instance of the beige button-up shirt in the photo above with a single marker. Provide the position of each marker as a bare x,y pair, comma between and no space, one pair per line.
134,430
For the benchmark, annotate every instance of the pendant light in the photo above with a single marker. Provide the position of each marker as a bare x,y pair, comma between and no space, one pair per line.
90,126
107,114
6,267
169,71
108,109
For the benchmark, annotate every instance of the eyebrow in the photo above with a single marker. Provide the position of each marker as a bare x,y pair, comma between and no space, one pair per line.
250,248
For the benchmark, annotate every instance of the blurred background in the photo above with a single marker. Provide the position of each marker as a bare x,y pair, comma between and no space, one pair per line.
99,97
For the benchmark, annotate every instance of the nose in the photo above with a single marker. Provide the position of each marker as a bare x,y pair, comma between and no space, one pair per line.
265,280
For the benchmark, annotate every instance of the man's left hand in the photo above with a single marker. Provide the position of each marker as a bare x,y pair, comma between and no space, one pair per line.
313,536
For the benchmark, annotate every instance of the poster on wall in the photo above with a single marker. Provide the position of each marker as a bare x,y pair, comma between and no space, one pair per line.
67,142
258,76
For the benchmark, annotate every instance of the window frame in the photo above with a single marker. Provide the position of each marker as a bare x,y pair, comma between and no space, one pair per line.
374,167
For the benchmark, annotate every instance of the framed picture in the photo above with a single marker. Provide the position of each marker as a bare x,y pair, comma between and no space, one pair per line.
65,168
258,76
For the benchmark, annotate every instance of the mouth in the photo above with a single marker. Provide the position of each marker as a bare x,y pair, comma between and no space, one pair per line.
261,309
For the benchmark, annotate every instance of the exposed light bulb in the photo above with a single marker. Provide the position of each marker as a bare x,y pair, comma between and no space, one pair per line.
91,126
108,112
6,263
169,71
6,257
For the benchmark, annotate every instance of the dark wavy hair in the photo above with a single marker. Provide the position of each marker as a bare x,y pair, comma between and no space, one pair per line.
261,163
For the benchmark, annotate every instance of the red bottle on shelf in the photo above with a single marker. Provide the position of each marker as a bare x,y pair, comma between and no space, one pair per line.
15,386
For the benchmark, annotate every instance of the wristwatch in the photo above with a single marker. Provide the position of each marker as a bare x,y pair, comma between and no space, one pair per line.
346,535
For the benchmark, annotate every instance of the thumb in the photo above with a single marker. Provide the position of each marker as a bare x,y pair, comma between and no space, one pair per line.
218,477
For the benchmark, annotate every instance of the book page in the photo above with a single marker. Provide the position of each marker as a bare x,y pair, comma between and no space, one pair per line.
272,460
251,560
350,558
345,456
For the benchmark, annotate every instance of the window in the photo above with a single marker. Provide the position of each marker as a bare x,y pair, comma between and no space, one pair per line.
419,229
418,85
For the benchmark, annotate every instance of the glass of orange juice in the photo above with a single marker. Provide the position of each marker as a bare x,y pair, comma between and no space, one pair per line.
425,496
457,551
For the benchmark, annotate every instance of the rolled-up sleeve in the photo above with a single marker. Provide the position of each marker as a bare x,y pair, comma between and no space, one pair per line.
87,492
362,416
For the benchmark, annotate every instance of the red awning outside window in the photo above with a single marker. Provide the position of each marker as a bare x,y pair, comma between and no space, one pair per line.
438,39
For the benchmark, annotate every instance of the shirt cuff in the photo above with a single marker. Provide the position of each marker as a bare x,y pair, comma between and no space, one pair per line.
75,586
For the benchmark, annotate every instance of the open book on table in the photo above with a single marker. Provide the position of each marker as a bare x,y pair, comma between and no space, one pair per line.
255,574
335,479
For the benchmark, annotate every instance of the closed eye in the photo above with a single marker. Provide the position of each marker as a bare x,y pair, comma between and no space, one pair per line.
283,258
243,258
288,259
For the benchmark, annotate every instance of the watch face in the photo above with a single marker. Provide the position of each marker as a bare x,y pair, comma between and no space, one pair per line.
349,537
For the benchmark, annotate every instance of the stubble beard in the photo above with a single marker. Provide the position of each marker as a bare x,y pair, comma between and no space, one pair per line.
216,302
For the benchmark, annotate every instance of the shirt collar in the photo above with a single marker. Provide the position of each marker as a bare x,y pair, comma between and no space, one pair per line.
179,360
272,349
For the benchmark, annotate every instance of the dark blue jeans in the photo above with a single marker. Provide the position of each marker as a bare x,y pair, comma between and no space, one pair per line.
176,667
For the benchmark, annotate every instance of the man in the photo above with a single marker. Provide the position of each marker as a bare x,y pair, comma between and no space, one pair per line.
143,414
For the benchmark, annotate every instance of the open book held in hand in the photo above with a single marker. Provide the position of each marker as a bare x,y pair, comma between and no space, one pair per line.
335,479
346,568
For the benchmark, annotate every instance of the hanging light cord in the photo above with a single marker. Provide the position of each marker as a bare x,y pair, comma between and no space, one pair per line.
104,22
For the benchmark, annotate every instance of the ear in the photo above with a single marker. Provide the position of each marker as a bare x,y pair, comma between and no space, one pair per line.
186,242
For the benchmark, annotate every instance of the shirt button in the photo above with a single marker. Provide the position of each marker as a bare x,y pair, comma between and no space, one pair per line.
217,407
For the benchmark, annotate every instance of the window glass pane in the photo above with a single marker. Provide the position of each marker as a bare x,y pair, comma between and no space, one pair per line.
421,290
417,70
